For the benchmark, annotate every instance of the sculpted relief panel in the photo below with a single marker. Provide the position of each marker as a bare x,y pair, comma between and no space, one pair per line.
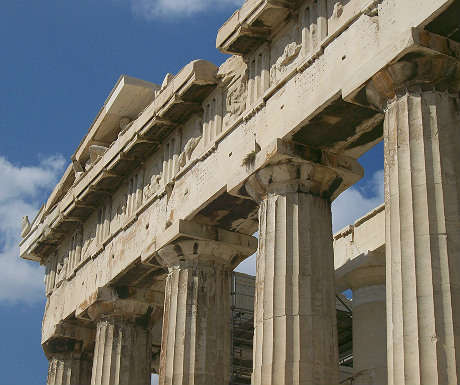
284,62
89,235
154,183
235,102
186,154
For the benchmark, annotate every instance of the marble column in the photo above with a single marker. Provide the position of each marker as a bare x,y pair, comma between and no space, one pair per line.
369,324
422,202
68,365
196,324
122,352
295,336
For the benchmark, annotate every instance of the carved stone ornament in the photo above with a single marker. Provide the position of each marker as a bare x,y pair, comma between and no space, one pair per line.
88,241
77,168
61,269
96,152
338,10
185,156
236,98
154,184
290,52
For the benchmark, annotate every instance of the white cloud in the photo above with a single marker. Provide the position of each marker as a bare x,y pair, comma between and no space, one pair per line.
23,190
346,209
357,201
154,9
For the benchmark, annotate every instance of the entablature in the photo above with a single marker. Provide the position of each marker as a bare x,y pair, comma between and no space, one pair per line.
173,105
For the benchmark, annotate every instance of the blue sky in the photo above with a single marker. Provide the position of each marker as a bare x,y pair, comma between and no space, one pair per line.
59,59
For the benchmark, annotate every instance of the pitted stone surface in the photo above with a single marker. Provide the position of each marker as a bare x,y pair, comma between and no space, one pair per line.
295,335
422,182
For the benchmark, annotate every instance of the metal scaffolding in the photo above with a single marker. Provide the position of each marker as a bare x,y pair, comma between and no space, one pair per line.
242,331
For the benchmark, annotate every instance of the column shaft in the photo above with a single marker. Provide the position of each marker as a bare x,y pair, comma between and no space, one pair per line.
69,369
122,353
295,339
196,324
422,199
369,336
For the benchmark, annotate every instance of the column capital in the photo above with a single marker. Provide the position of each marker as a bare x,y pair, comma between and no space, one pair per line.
366,276
124,303
192,241
60,345
298,176
417,75
367,269
286,166
67,337
187,252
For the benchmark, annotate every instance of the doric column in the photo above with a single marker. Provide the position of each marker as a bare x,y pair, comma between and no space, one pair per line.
367,280
196,323
422,203
122,352
295,336
68,364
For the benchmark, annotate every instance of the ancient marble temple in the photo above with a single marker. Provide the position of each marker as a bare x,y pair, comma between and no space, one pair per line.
162,196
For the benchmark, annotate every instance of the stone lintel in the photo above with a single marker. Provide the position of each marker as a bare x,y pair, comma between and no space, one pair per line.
415,42
188,230
365,270
348,170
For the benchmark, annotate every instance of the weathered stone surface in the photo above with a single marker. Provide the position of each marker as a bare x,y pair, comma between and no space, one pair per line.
422,182
295,336
196,323
69,369
69,364
122,350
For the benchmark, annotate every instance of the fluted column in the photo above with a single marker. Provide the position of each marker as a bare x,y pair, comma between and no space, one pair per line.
295,337
369,324
196,324
68,365
122,351
422,203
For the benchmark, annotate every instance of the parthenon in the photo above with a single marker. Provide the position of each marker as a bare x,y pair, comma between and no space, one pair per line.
162,198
